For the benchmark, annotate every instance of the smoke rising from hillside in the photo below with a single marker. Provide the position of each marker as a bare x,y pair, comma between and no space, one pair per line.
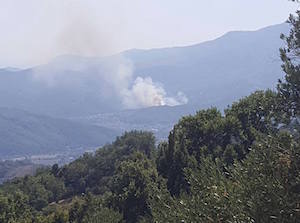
145,93
111,78
84,35
139,92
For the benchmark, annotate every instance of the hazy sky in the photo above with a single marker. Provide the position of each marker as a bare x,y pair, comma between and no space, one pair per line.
34,31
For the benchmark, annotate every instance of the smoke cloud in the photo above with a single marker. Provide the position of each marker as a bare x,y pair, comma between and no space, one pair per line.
137,92
109,77
112,77
145,93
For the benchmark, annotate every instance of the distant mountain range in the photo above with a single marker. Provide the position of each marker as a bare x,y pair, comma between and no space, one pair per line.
215,72
86,91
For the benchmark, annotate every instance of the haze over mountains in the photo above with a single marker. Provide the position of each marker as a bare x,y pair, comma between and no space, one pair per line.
23,133
99,91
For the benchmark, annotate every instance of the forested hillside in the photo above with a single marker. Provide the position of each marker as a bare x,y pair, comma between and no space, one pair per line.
240,166
24,134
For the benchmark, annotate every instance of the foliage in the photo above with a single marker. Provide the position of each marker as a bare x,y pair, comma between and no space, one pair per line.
289,89
209,133
135,183
93,172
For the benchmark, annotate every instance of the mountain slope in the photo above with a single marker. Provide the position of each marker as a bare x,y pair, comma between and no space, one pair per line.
23,133
223,69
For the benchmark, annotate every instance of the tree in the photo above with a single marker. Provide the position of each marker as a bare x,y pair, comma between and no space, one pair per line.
206,133
15,208
267,181
264,187
92,209
136,182
289,89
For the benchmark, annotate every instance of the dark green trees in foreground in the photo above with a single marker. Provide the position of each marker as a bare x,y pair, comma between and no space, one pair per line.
240,166
289,90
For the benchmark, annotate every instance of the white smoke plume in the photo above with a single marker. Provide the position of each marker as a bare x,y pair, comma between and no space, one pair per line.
137,92
111,77
145,93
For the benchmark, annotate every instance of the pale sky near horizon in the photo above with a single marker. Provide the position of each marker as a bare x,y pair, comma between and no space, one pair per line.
34,31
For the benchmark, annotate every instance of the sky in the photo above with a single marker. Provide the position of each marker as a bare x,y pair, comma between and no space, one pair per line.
35,31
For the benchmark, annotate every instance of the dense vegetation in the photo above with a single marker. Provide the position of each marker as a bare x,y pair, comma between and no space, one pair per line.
240,166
